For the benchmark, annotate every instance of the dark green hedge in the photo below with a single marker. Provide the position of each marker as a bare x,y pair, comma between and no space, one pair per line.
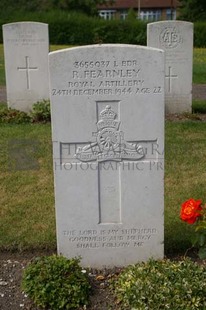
79,29
84,30
200,34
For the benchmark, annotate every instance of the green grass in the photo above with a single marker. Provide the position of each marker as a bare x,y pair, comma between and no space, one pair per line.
184,177
2,70
26,196
26,192
27,217
199,106
58,47
199,64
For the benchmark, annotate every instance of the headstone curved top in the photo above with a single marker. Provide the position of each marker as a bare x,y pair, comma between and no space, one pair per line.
176,39
26,47
107,105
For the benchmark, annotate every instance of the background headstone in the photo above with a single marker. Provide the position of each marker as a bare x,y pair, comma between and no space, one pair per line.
108,139
26,47
176,39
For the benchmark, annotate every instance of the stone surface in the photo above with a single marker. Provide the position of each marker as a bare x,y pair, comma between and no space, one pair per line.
176,39
26,47
108,136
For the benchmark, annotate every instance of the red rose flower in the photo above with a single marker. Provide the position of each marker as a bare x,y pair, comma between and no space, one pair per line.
191,210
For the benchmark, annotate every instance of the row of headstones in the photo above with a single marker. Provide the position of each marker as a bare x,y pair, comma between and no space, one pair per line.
26,46
108,105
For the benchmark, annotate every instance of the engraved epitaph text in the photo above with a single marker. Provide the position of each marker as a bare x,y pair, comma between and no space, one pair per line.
108,150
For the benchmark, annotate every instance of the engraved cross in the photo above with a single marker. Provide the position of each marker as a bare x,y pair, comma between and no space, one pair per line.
110,153
170,76
27,69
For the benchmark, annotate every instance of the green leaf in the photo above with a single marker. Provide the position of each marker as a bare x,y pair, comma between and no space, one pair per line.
56,282
202,239
162,285
194,239
202,253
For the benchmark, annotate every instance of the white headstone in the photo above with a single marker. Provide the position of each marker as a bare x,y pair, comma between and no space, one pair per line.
108,136
26,47
176,39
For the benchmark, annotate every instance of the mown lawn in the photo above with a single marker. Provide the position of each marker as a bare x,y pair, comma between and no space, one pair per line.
27,217
185,177
2,69
199,66
27,214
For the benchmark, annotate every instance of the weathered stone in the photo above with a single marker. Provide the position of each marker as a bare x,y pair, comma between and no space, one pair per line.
176,39
26,47
108,140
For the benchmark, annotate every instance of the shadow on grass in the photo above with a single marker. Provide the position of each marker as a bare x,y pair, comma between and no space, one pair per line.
199,106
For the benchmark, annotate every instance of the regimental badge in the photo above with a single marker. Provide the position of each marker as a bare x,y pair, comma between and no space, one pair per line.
109,142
